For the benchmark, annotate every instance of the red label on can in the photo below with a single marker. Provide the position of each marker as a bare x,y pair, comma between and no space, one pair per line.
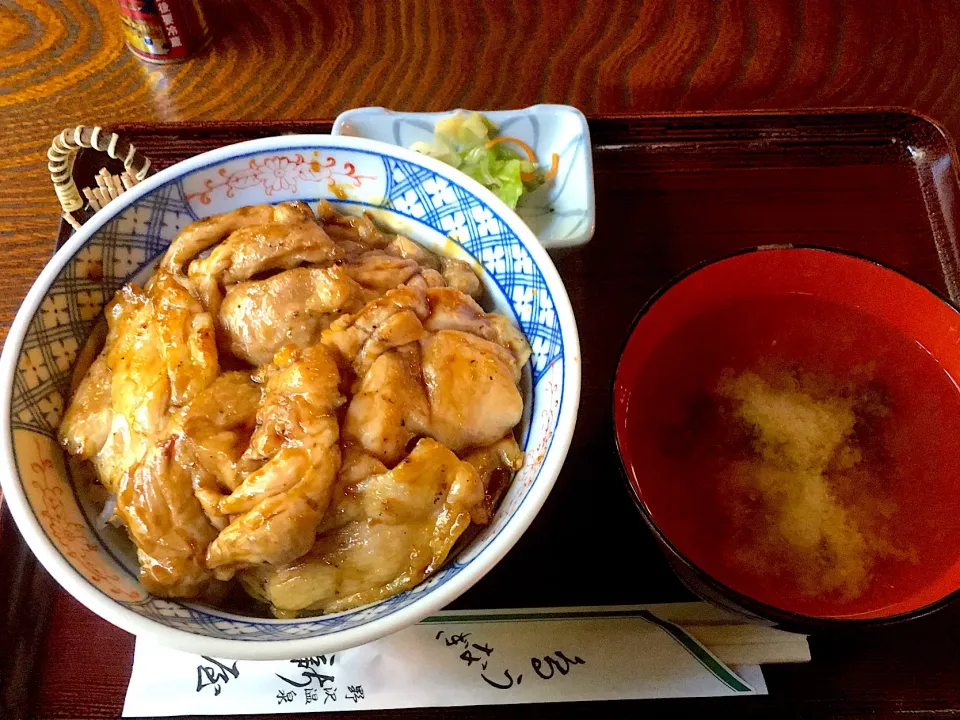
163,30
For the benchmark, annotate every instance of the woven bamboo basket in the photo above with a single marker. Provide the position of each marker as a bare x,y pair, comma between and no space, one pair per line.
79,204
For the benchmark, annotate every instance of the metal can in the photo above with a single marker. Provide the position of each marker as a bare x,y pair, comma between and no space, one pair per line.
164,31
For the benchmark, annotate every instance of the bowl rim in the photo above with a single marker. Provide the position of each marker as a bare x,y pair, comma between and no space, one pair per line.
113,611
786,619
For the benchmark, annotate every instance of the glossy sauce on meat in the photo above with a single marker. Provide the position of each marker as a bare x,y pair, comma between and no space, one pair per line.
303,407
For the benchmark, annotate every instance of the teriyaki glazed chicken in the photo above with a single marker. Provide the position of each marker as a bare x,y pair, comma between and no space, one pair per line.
301,405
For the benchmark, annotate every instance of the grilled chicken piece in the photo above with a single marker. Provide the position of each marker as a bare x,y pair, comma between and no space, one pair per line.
509,336
217,427
279,505
360,338
186,334
86,424
347,504
377,270
400,329
219,423
458,275
204,234
403,247
160,353
169,501
167,522
436,271
495,464
413,516
389,408
258,317
139,386
451,309
256,249
456,385
425,280
348,230
471,389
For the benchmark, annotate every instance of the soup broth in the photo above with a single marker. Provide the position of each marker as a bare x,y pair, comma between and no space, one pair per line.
802,453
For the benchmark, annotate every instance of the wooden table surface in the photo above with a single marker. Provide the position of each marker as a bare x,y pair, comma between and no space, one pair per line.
64,63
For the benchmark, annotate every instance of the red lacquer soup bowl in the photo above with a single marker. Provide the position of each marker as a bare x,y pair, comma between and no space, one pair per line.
789,424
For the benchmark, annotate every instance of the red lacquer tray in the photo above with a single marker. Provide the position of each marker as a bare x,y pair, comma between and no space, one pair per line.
671,191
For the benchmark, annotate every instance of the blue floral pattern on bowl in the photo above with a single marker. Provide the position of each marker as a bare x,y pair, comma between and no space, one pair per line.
402,192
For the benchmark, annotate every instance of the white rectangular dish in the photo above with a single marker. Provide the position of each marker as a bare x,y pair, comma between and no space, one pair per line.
561,213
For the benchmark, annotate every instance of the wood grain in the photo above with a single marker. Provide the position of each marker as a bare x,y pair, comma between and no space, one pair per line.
64,63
